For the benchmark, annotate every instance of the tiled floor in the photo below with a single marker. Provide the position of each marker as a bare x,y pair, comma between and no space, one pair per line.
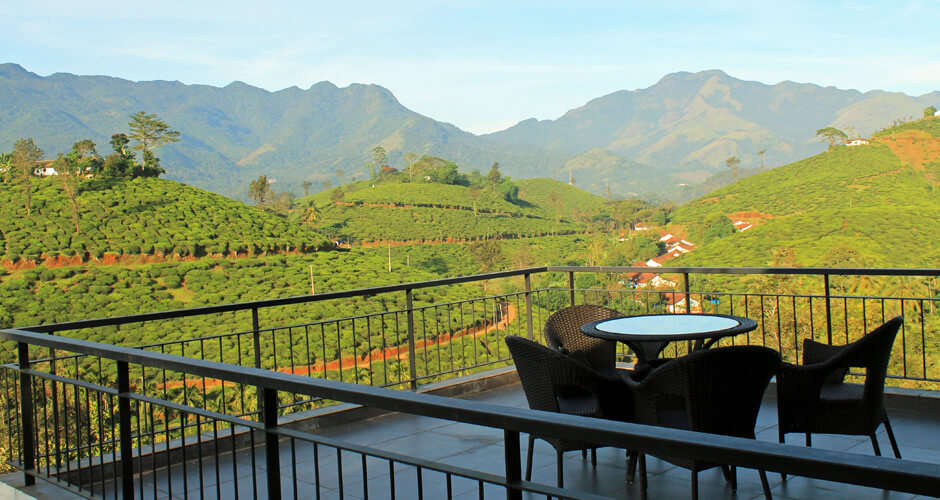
480,448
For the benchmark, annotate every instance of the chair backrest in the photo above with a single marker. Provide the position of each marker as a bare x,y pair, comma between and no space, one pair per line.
534,371
873,353
563,330
714,390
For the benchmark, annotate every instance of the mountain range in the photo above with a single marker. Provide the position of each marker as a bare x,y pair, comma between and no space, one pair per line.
664,141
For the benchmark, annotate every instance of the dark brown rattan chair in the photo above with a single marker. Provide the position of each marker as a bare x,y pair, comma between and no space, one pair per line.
553,381
563,333
717,391
815,398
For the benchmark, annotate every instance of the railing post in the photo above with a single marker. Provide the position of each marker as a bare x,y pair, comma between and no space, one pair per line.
571,286
55,406
271,451
26,402
412,357
513,462
528,303
828,309
688,296
256,339
124,419
256,335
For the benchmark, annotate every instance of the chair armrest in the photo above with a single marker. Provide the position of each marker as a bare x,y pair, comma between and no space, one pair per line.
574,378
819,353
798,390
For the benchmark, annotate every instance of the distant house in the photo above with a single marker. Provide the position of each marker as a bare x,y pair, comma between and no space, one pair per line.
742,226
676,303
641,226
652,280
44,171
858,141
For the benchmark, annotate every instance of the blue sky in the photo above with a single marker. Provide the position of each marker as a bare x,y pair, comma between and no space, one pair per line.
482,66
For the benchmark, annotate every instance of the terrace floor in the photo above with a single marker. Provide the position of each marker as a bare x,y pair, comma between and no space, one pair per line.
916,424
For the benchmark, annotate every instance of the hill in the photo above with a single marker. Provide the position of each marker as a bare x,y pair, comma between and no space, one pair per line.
868,205
654,142
140,217
370,211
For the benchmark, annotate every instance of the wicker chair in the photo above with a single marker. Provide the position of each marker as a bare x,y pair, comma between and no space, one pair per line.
563,333
716,390
553,381
815,398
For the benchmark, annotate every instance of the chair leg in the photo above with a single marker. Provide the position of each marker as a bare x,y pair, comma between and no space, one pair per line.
765,484
631,466
782,440
643,476
809,439
894,443
731,476
593,457
583,453
874,443
560,468
694,484
528,460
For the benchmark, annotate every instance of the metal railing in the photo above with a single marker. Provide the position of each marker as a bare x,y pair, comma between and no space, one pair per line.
76,393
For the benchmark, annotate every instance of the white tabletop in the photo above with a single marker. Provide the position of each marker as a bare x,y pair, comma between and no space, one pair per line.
667,324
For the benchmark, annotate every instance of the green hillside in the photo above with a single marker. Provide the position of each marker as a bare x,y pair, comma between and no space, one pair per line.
142,216
571,200
869,205
372,211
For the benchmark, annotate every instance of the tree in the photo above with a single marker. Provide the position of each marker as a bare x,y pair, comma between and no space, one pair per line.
488,256
260,190
307,185
493,176
379,160
25,155
71,167
831,134
761,154
283,202
930,111
6,166
150,133
411,158
311,215
732,163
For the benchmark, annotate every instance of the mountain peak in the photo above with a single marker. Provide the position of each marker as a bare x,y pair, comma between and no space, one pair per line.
13,69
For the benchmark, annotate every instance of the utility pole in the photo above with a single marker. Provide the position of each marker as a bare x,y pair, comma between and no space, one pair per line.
389,245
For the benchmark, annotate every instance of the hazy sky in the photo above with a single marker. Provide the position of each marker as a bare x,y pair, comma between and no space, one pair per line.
482,66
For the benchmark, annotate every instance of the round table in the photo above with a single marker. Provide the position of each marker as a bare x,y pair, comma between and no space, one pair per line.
648,334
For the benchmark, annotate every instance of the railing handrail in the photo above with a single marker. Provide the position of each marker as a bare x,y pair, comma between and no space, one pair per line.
834,271
301,299
881,472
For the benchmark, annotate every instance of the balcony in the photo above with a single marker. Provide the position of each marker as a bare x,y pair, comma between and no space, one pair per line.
301,408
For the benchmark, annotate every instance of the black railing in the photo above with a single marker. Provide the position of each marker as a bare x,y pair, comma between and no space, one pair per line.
74,395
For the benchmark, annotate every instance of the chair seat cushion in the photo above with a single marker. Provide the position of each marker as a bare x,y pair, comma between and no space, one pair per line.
584,405
841,392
